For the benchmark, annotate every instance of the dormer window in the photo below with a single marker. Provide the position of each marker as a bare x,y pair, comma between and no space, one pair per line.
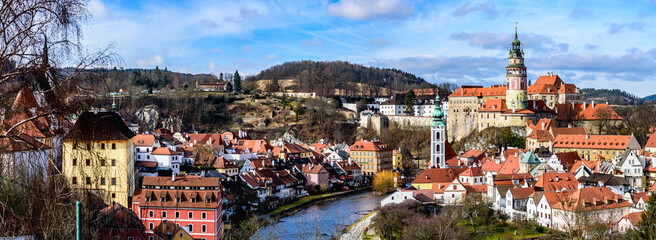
178,200
162,199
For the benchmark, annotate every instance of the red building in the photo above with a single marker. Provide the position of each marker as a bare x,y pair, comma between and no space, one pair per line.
192,202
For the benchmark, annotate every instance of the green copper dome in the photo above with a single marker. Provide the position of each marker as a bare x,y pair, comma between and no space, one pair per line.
437,113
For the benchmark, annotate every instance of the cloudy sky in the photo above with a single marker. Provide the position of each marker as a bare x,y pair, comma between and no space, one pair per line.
602,44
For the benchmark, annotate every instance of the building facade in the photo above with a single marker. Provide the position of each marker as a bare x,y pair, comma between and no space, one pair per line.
372,156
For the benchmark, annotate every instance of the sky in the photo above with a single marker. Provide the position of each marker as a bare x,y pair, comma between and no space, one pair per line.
599,44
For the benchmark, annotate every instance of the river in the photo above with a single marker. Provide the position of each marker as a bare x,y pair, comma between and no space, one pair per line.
322,220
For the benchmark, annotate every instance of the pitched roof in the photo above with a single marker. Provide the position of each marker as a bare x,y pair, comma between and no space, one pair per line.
181,180
511,164
116,216
473,153
164,151
439,175
222,163
472,172
530,158
494,105
364,145
557,182
585,111
619,142
590,199
144,140
25,100
466,91
313,169
548,80
99,126
641,195
651,143
634,218
19,143
166,227
521,193
567,159
607,179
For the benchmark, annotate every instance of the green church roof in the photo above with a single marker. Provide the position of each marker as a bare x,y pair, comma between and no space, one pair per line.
437,114
530,158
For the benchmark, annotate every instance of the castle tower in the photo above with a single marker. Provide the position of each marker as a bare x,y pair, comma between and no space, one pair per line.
437,136
516,98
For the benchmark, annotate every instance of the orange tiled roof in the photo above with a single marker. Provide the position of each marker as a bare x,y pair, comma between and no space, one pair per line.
542,89
439,175
144,140
494,105
364,145
181,180
618,142
473,153
312,168
521,193
557,182
590,199
475,188
549,80
511,165
585,111
651,143
465,91
25,100
634,218
164,151
472,172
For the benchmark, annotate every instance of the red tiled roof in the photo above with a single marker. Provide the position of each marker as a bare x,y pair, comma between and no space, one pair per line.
472,172
164,151
222,163
511,165
494,105
364,145
651,143
549,80
147,164
557,182
181,180
312,168
585,111
590,199
465,91
641,195
475,188
25,100
634,218
144,140
521,193
170,196
473,153
567,159
440,175
619,142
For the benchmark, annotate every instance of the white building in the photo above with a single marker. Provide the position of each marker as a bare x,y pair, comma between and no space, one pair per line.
424,106
631,166
144,145
167,158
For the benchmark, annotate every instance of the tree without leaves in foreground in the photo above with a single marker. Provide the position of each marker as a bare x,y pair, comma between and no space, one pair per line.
442,226
410,99
475,206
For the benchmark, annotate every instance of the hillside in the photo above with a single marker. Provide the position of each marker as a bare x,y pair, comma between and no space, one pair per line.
327,77
650,98
613,96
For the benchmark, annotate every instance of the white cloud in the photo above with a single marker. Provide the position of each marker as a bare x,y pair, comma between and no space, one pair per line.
378,42
153,61
96,8
211,65
370,9
489,7
245,48
271,57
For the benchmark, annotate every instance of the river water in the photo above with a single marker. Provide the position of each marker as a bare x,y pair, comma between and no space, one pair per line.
322,220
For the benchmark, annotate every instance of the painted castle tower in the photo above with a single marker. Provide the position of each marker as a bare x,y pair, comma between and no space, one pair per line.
516,98
437,136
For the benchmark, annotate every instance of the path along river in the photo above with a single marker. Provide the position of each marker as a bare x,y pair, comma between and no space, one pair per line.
322,220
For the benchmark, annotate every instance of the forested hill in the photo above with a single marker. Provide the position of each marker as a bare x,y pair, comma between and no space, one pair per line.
613,96
313,76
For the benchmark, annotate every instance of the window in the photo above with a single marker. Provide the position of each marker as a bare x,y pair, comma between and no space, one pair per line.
151,214
113,195
102,181
102,162
113,162
74,180
88,181
74,145
203,228
191,215
113,145
88,162
150,226
177,214
88,146
151,238
163,214
74,162
181,235
203,215
191,227
102,146
114,181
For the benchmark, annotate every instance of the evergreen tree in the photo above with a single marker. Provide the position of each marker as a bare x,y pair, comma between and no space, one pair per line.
410,98
236,80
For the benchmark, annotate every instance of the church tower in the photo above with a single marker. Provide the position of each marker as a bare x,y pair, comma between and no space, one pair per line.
516,98
437,136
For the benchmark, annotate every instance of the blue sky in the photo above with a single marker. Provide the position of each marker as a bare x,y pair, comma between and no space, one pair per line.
601,44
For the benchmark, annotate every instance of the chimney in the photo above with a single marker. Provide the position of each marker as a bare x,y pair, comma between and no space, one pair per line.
592,104
173,177
569,125
534,106
585,105
557,179
572,105
551,146
543,123
516,154
587,136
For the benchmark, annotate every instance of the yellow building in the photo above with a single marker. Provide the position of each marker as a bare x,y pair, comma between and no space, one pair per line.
592,147
168,228
98,155
372,156
397,159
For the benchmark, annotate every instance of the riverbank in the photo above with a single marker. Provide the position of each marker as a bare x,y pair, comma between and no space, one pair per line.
308,201
357,229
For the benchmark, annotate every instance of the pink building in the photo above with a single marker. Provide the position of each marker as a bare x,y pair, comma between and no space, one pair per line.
596,204
628,221
191,202
315,175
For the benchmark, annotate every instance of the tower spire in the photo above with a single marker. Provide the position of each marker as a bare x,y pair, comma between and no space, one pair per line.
516,29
